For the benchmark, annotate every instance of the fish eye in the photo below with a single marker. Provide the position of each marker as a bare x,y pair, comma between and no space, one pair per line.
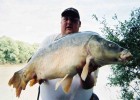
110,45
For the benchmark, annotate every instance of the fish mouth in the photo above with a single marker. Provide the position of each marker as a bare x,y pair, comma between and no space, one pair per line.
122,60
125,59
125,56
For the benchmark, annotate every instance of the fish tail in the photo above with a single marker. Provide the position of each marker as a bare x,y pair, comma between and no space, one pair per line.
20,80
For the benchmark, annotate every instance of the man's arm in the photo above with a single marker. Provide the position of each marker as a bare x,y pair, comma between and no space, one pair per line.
91,78
88,83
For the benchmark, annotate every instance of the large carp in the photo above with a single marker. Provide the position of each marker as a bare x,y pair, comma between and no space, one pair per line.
63,57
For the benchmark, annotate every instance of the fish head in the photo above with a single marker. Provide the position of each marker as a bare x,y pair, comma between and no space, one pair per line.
107,52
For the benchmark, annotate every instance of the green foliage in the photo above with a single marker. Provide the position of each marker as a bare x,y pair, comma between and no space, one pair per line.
15,51
8,50
25,51
126,34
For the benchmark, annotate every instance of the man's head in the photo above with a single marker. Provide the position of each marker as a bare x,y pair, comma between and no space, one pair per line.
70,21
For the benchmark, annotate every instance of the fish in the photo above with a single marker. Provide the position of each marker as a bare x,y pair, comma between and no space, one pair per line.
63,58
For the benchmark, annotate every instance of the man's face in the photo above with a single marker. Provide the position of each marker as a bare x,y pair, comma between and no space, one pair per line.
69,25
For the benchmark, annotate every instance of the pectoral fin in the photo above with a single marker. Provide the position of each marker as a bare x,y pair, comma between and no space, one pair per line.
59,82
86,68
84,72
66,84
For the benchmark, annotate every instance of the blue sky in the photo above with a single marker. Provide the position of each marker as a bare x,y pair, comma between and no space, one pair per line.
32,20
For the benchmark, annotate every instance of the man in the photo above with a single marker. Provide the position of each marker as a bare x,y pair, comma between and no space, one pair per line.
80,90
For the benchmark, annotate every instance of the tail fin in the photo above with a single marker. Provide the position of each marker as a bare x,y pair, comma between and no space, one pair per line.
18,82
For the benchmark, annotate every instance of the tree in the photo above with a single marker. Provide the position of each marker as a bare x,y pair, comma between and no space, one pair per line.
126,34
14,52
9,50
25,51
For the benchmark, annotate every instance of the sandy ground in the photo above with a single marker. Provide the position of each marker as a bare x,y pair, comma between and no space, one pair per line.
8,93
